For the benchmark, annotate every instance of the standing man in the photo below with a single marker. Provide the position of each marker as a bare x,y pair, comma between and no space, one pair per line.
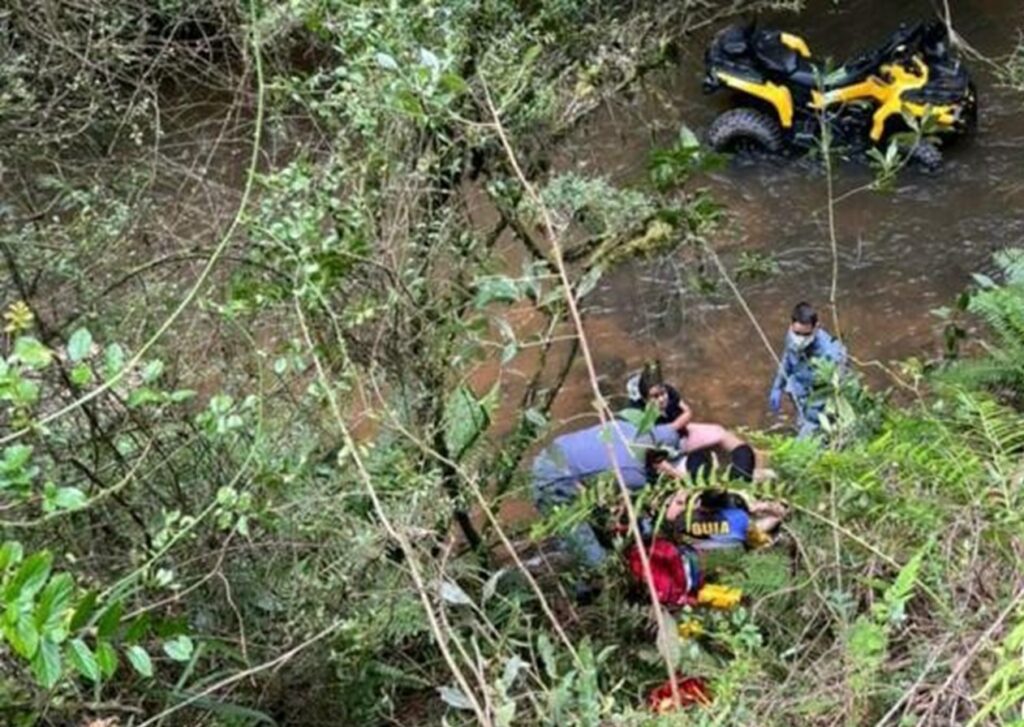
560,472
806,342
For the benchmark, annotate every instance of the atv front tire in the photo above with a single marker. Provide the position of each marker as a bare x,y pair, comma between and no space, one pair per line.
926,156
745,130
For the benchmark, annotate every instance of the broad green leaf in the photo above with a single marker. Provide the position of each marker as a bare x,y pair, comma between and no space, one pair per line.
512,668
26,392
505,714
84,610
24,636
139,660
143,396
647,419
491,586
429,59
632,415
30,577
454,698
79,345
453,83
983,280
386,62
46,663
82,658
113,361
15,457
227,496
496,288
109,621
687,139
106,659
54,601
81,374
11,553
536,418
179,649
32,353
152,370
220,404
138,628
546,651
589,282
452,593
69,498
509,352
466,419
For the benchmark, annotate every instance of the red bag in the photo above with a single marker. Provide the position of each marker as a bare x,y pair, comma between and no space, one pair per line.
674,580
692,690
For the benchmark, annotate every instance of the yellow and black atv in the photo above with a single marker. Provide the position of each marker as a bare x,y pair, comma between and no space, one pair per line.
787,96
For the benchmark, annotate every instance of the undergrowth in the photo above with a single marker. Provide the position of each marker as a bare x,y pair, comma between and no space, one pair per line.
272,513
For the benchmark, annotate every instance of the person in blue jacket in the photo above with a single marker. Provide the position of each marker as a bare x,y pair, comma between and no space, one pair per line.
561,471
806,341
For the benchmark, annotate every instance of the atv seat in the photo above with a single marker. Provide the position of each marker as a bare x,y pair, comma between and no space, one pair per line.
784,62
774,55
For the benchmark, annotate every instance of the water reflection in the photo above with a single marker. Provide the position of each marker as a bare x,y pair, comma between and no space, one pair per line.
901,254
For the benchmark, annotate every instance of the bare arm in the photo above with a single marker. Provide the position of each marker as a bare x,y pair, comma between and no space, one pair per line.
676,506
680,422
669,470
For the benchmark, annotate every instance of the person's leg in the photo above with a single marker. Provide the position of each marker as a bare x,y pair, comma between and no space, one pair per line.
741,463
809,421
552,488
699,465
703,436
730,441
581,541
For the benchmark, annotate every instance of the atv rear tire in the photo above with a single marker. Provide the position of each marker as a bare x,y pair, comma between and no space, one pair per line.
745,130
926,156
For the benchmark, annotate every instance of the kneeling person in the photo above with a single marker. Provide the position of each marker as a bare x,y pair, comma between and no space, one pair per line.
560,472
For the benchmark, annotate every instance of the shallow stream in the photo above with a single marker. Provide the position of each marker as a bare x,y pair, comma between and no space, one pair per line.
902,254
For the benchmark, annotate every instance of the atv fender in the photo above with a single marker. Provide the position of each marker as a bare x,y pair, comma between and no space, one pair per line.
778,96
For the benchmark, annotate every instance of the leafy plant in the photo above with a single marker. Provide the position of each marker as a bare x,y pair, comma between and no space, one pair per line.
1001,306
673,166
753,265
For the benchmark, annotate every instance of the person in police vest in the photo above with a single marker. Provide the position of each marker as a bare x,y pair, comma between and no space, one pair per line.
714,518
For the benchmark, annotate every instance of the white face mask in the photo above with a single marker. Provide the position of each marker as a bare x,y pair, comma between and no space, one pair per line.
799,342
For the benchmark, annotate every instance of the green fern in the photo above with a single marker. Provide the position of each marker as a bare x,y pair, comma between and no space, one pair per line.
1004,691
1001,306
760,573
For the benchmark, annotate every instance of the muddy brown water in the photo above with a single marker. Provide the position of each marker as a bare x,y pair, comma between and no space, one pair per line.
901,254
